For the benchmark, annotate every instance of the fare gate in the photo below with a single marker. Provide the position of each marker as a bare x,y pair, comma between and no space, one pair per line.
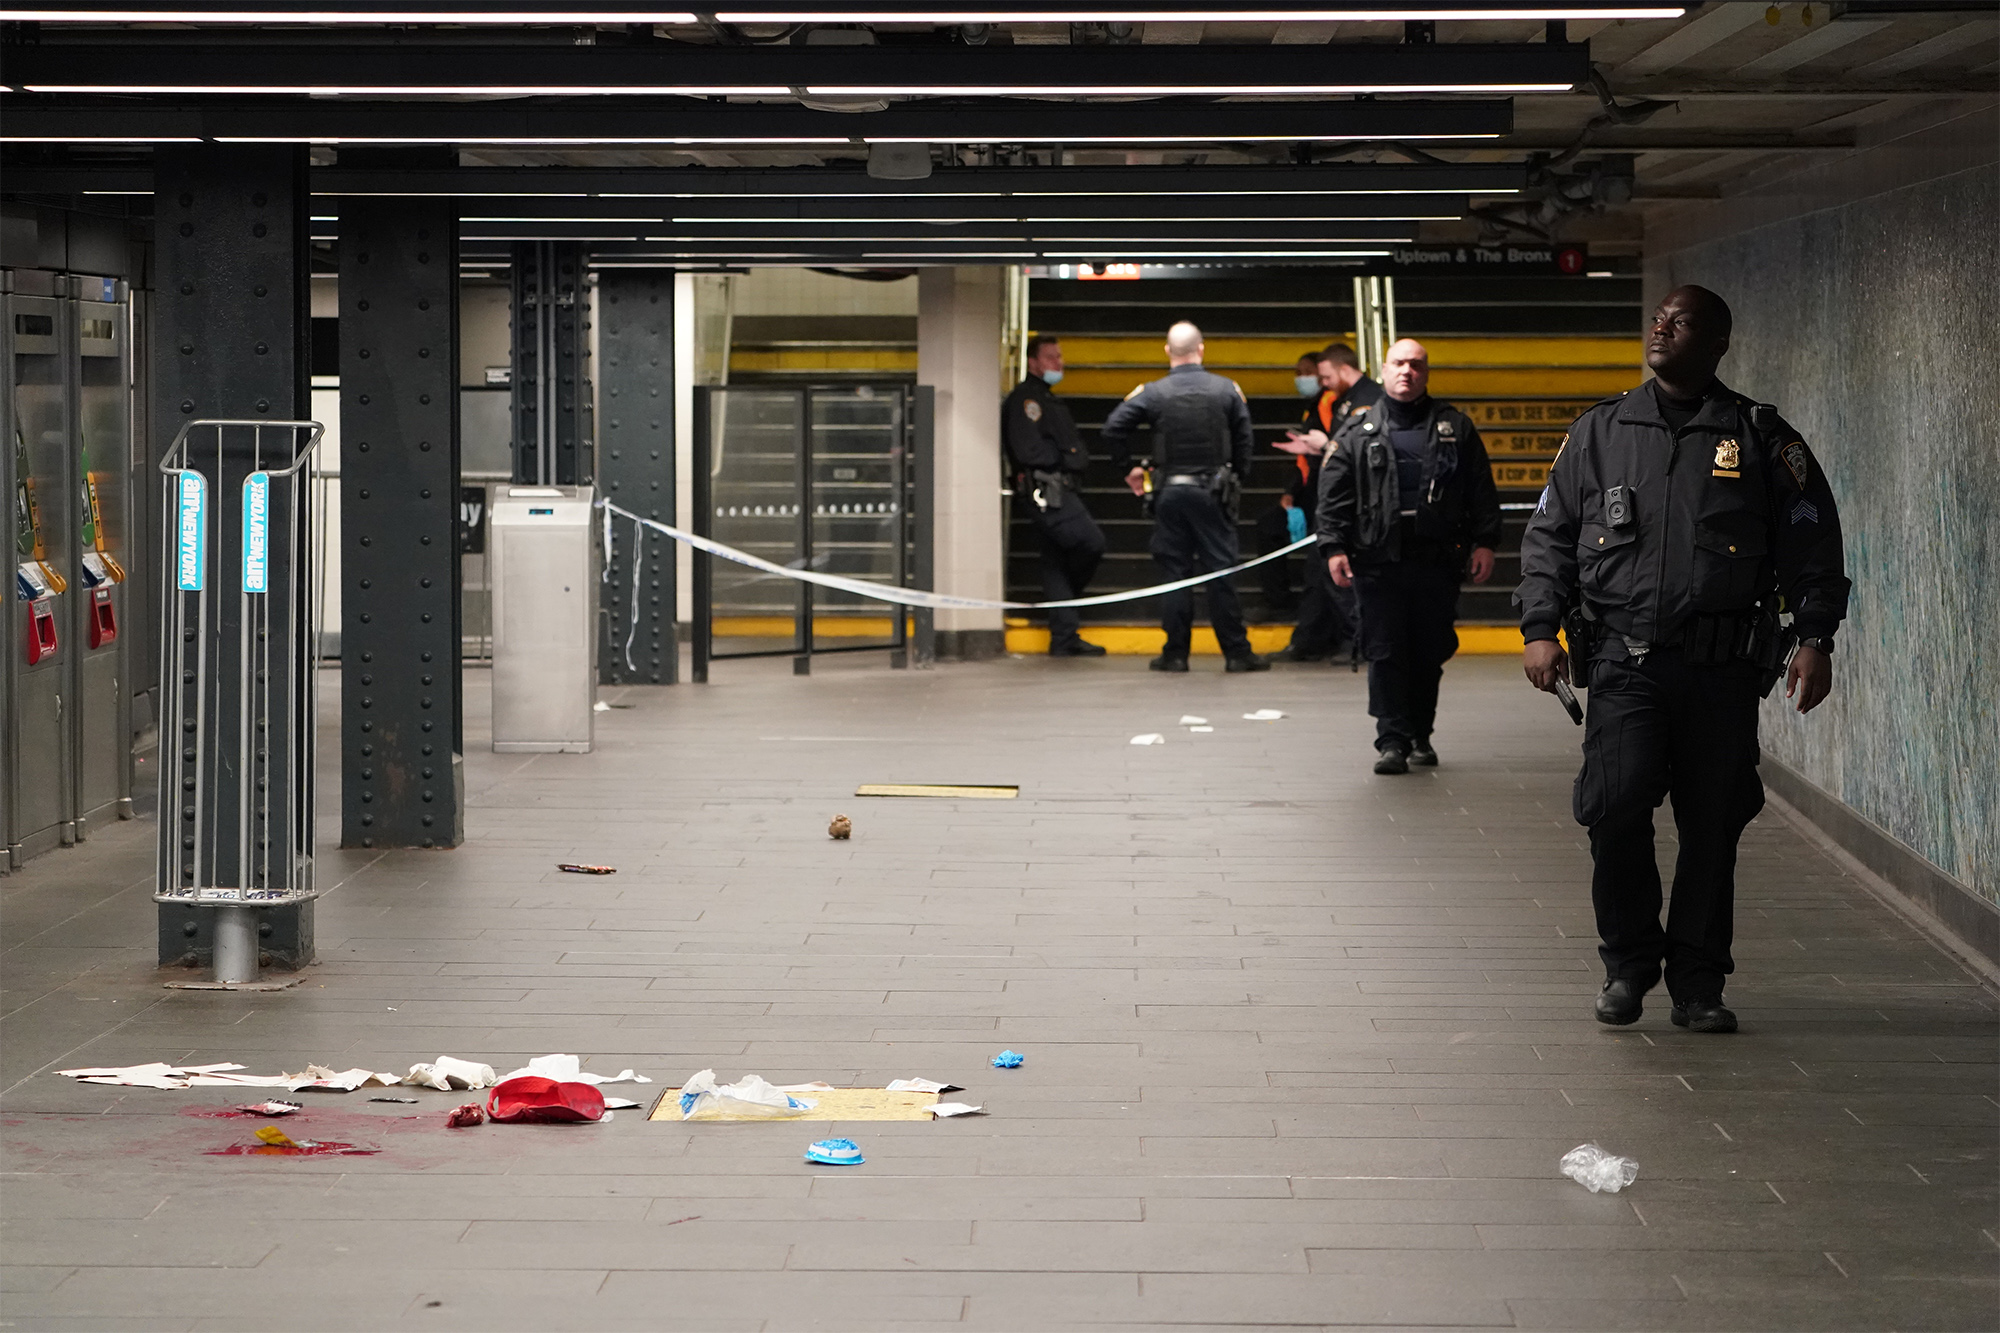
821,478
65,688
239,696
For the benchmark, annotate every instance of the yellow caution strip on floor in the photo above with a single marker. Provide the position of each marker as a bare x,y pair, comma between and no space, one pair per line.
985,793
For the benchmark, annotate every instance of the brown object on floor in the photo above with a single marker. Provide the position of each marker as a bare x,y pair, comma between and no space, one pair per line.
576,869
466,1116
841,827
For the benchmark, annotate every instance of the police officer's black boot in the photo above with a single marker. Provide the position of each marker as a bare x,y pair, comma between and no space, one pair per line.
1621,1002
1247,662
1075,647
1392,757
1706,1015
1167,662
1421,753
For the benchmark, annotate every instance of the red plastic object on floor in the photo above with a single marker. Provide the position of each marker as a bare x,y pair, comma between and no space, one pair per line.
465,1117
533,1099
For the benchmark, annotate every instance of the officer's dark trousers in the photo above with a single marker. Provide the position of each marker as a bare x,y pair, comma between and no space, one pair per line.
1326,612
1071,545
1407,609
1657,730
1193,535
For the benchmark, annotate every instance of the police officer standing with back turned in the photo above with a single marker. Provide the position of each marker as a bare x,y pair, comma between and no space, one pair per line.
1048,466
1201,449
1406,505
1679,520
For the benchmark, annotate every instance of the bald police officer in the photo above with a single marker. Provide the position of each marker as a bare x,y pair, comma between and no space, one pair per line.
1201,448
1679,520
1048,466
1407,508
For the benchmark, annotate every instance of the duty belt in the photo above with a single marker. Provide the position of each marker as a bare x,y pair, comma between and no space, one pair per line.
1188,479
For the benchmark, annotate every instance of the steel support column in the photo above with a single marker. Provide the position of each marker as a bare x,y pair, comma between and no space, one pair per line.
230,338
635,469
552,394
401,743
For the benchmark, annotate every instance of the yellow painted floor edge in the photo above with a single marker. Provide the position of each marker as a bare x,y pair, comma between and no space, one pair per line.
1145,641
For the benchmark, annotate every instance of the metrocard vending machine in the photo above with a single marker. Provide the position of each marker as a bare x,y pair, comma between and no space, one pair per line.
544,563
65,690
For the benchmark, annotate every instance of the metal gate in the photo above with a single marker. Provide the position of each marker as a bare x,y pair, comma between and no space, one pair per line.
820,478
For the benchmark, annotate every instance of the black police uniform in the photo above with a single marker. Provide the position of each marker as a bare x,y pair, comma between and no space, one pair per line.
1201,425
1406,493
1048,466
1327,612
1682,529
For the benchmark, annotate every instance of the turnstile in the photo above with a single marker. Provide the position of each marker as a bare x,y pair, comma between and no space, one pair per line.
65,691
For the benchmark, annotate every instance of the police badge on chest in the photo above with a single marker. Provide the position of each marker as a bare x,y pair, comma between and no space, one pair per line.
1728,459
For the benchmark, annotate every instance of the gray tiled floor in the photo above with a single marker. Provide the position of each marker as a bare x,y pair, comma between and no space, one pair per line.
1303,1044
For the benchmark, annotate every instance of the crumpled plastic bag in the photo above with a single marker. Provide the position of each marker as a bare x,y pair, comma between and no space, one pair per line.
447,1074
749,1097
1597,1170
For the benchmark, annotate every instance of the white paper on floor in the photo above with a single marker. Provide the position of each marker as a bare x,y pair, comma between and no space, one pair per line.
1150,738
619,1104
315,1078
569,1069
1201,729
946,1110
1190,720
1263,715
922,1085
448,1073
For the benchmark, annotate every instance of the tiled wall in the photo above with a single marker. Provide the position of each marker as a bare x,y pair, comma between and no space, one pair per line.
1875,328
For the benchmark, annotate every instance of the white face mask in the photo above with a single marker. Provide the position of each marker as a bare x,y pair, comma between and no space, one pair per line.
1050,376
1308,385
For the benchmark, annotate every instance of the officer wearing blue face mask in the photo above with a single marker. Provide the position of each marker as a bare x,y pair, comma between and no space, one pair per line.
1047,462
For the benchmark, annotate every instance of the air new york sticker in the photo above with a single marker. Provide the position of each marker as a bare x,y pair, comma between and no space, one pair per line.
191,550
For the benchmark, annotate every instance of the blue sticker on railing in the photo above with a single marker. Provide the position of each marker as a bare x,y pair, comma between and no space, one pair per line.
191,559
257,532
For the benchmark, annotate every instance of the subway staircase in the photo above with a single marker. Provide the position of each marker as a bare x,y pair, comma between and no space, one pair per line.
1523,356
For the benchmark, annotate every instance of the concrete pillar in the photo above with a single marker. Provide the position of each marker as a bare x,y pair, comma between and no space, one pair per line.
958,353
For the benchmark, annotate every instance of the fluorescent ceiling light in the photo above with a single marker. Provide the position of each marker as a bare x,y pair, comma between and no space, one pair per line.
947,241
525,142
329,16
948,223
1167,14
593,221
1137,139
97,138
1133,253
415,90
1167,90
1031,194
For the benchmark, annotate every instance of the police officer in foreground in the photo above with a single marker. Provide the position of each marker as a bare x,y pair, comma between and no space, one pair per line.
1049,460
1679,520
1201,449
1407,503
1327,614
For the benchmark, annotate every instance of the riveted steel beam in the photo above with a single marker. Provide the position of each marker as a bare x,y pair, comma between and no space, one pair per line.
401,728
635,470
231,340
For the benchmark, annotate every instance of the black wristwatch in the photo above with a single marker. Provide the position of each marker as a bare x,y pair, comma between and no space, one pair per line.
1820,642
